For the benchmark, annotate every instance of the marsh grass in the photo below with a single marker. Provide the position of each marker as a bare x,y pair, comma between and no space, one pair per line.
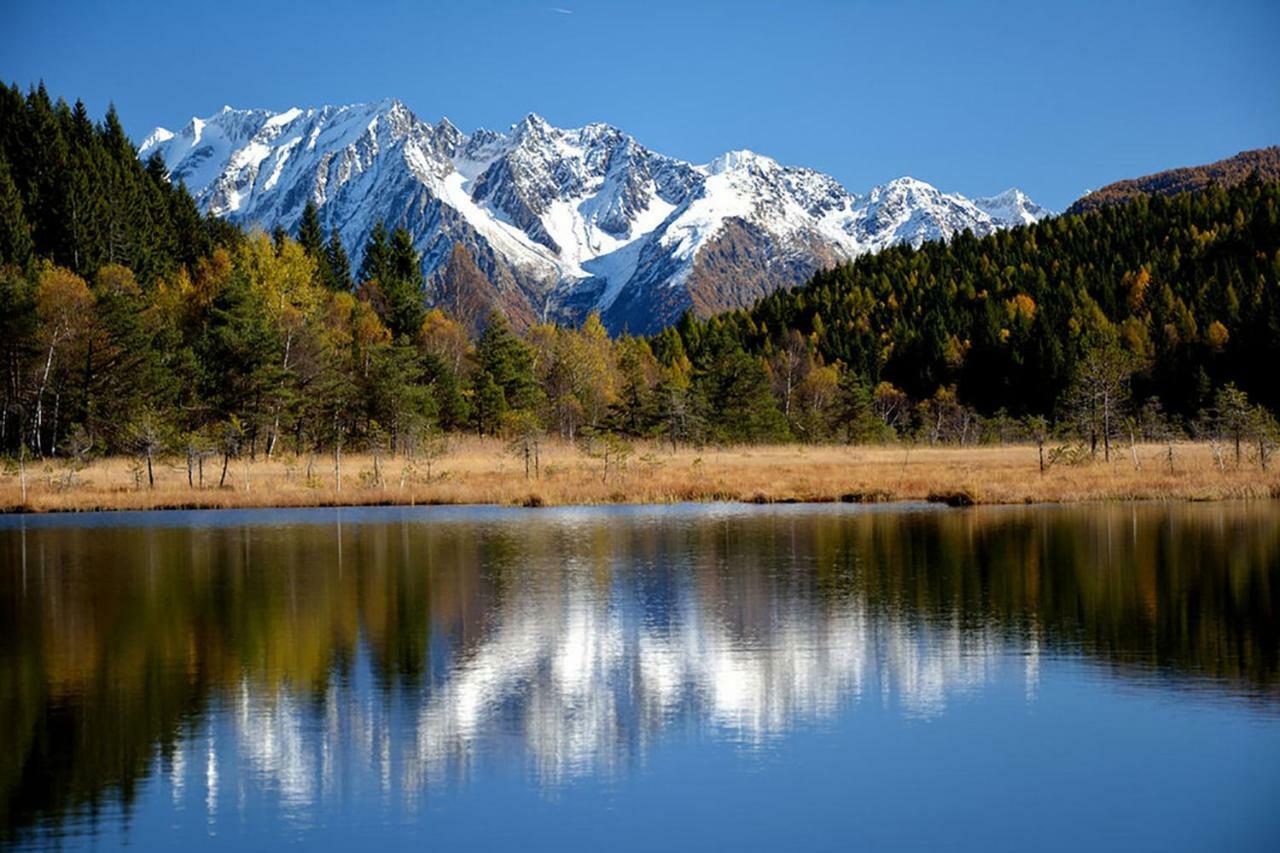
474,470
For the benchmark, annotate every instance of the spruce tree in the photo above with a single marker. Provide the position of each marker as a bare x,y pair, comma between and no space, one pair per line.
403,287
311,233
337,268
505,359
15,233
238,350
376,263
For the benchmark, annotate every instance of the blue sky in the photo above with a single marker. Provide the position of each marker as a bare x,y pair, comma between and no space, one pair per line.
973,97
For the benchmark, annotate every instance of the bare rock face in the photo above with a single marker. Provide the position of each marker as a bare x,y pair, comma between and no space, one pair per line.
554,223
465,292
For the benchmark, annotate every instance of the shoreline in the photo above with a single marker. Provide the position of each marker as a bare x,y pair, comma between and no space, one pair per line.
888,504
478,472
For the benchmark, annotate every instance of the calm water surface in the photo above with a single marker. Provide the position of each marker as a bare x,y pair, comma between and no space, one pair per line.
675,678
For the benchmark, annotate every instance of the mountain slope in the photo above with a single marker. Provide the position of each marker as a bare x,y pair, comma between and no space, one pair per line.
1226,173
559,222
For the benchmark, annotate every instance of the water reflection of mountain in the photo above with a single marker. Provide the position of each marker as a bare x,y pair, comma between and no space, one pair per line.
572,641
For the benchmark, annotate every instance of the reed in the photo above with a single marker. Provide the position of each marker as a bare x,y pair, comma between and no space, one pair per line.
474,470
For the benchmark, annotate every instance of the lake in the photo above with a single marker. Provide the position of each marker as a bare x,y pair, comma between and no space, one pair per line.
643,678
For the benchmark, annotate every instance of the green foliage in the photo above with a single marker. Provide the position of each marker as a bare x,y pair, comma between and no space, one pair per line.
310,232
336,270
16,246
238,350
403,287
504,360
856,411
124,312
739,406
76,193
376,265
1186,285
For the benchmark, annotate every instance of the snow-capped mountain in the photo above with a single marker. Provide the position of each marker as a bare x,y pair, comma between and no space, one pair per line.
559,221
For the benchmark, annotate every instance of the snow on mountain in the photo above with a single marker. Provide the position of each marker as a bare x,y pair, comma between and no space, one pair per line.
561,221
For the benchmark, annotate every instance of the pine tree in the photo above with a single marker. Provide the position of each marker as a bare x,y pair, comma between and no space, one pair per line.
856,410
489,405
450,405
310,232
739,399
238,351
402,287
376,264
505,359
15,233
337,269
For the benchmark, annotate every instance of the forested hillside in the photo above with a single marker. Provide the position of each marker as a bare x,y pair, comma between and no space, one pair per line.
130,324
1263,163
1177,295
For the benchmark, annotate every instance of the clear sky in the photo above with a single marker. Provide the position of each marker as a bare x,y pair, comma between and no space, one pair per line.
1054,97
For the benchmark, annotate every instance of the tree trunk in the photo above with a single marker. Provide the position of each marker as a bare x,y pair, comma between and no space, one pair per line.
151,477
53,432
226,460
337,466
38,421
1106,428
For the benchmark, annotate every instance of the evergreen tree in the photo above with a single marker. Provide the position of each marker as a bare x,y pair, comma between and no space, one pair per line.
337,270
739,402
16,244
856,410
376,264
238,352
310,232
450,405
402,287
489,405
505,360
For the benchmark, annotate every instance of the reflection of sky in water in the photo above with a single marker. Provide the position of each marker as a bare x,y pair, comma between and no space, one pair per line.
656,701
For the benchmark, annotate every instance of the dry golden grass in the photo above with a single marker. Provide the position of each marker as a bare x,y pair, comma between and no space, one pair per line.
480,471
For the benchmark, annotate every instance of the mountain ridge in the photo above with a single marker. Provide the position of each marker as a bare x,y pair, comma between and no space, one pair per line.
1227,172
561,221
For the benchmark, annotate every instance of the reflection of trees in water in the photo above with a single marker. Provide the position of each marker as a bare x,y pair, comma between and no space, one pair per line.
581,636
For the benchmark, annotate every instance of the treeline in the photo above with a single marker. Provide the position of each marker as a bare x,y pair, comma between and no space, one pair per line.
131,324
1155,306
73,192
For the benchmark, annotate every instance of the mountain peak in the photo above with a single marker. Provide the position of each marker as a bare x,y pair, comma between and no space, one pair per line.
732,161
531,123
906,183
560,221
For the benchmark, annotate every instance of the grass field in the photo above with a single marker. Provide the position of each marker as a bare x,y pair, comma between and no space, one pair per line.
473,470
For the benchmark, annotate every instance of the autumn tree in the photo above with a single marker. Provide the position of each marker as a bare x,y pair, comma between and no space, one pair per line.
1099,392
63,304
1234,415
